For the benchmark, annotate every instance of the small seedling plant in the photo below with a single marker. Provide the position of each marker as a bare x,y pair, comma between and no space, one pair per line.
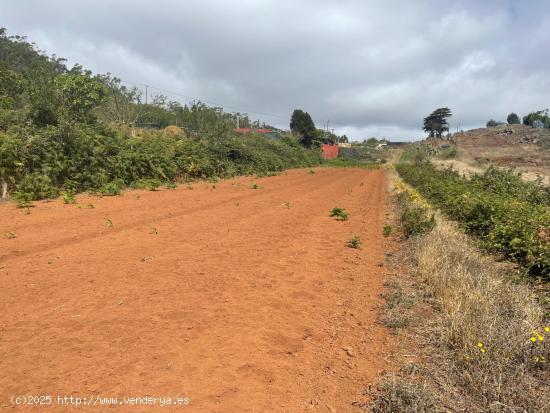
339,213
69,197
355,242
387,230
256,186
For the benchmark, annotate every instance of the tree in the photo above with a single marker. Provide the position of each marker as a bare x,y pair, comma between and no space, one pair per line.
302,126
491,123
80,94
436,123
512,119
541,116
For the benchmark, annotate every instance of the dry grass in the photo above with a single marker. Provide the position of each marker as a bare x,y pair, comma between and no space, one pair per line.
475,345
466,325
483,326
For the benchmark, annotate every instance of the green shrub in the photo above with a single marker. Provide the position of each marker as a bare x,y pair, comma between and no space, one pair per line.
340,213
387,230
69,197
510,216
416,220
23,199
37,186
105,160
153,184
355,242
111,189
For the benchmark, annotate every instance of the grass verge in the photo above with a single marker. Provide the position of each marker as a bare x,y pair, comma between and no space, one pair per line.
478,336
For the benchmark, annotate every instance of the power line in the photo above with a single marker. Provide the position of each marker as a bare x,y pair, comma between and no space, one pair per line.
192,98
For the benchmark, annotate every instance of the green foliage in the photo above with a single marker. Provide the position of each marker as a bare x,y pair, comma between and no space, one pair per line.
416,218
513,119
348,163
80,94
340,213
23,199
69,197
112,188
154,184
491,123
541,117
436,123
36,186
360,153
302,125
509,215
53,130
355,242
417,153
387,230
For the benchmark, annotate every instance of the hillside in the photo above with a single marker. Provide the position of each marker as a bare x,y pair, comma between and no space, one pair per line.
515,146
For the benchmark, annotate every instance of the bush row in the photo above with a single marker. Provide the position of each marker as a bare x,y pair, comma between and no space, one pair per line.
509,215
38,163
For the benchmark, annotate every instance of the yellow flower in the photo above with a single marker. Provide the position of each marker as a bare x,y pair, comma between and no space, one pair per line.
533,339
480,344
547,329
482,350
541,338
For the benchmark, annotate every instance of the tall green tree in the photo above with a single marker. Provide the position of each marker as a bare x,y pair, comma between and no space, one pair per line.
436,123
541,116
512,119
302,125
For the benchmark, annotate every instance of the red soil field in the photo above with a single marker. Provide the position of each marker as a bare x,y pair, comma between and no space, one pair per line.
223,295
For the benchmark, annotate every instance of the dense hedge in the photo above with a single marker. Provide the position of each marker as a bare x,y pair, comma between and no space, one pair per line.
41,161
509,215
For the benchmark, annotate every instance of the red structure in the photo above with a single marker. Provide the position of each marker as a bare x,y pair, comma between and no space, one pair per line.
252,130
329,151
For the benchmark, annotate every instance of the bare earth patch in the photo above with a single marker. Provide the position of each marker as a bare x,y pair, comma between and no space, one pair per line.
242,300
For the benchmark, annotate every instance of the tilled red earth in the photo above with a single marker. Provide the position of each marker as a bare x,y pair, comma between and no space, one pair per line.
239,299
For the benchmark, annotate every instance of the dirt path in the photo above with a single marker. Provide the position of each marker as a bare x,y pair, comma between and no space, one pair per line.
224,296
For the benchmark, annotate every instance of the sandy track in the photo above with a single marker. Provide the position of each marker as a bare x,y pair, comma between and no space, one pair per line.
221,295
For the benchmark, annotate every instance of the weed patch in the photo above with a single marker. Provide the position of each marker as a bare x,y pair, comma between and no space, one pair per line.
355,242
339,213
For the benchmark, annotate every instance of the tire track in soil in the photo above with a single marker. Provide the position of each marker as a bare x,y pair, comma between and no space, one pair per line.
249,308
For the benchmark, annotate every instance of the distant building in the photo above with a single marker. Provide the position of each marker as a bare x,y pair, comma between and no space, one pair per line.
344,145
268,133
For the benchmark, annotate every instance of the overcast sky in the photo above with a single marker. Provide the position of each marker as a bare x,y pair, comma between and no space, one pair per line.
374,68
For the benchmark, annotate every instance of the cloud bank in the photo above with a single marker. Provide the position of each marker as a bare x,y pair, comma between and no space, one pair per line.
372,68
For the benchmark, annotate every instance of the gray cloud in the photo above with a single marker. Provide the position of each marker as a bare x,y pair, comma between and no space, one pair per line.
371,67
